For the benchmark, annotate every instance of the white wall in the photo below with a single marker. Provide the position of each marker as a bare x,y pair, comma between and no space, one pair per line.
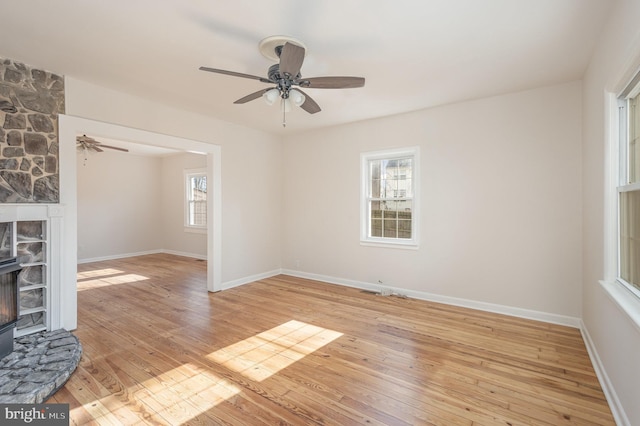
251,171
174,237
614,335
499,192
136,210
118,199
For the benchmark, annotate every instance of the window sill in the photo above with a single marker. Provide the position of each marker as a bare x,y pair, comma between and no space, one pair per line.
384,244
628,302
193,230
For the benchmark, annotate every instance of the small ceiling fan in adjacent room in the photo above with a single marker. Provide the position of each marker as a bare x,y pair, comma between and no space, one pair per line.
286,77
86,144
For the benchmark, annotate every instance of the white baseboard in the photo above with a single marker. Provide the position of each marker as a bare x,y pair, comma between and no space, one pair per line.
615,405
246,280
118,256
185,254
466,303
140,253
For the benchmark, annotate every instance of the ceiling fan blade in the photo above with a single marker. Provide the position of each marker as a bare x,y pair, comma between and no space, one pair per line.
252,96
291,58
113,147
332,82
96,148
235,74
309,104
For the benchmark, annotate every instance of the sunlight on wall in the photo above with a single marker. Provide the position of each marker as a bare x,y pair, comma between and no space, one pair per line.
263,355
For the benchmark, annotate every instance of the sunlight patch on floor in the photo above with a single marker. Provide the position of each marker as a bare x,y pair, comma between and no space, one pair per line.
112,280
263,355
177,396
185,392
96,273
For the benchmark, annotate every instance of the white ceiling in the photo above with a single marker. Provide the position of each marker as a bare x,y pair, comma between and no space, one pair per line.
414,54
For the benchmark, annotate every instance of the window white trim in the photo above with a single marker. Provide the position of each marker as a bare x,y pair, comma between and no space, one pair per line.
188,227
365,238
616,183
612,177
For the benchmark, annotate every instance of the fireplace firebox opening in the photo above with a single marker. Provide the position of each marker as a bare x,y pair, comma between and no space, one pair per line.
9,270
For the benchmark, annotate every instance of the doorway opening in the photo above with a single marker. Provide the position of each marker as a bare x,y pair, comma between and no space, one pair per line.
69,128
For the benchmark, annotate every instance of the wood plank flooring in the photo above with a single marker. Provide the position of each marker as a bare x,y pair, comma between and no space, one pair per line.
159,349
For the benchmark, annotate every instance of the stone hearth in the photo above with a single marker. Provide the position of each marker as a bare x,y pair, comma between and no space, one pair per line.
39,365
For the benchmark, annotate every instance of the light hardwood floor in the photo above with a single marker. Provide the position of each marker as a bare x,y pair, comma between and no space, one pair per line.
159,349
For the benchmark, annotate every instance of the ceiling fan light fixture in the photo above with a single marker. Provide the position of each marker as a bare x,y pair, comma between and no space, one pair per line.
271,96
296,97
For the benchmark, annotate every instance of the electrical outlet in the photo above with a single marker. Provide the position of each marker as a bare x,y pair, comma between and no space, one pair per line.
386,292
297,264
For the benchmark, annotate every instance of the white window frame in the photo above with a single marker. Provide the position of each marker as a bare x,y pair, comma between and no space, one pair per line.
365,220
622,165
188,174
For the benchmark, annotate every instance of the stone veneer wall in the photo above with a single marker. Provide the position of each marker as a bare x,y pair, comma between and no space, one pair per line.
29,137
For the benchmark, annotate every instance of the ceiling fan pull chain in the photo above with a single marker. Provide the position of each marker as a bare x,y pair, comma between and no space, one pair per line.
284,114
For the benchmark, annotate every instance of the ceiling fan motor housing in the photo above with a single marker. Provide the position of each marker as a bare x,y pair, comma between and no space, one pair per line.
282,82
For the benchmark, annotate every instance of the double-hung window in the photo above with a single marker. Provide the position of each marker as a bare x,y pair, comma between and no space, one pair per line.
195,217
388,197
629,188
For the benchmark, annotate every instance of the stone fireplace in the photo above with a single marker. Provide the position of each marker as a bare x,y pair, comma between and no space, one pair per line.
32,231
30,102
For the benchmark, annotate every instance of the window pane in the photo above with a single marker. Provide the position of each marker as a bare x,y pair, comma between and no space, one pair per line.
198,213
390,228
374,166
630,237
376,210
376,188
404,228
407,186
197,200
404,214
374,179
376,227
389,214
634,136
198,187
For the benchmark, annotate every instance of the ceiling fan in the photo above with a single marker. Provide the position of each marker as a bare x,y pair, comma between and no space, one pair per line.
286,77
87,143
